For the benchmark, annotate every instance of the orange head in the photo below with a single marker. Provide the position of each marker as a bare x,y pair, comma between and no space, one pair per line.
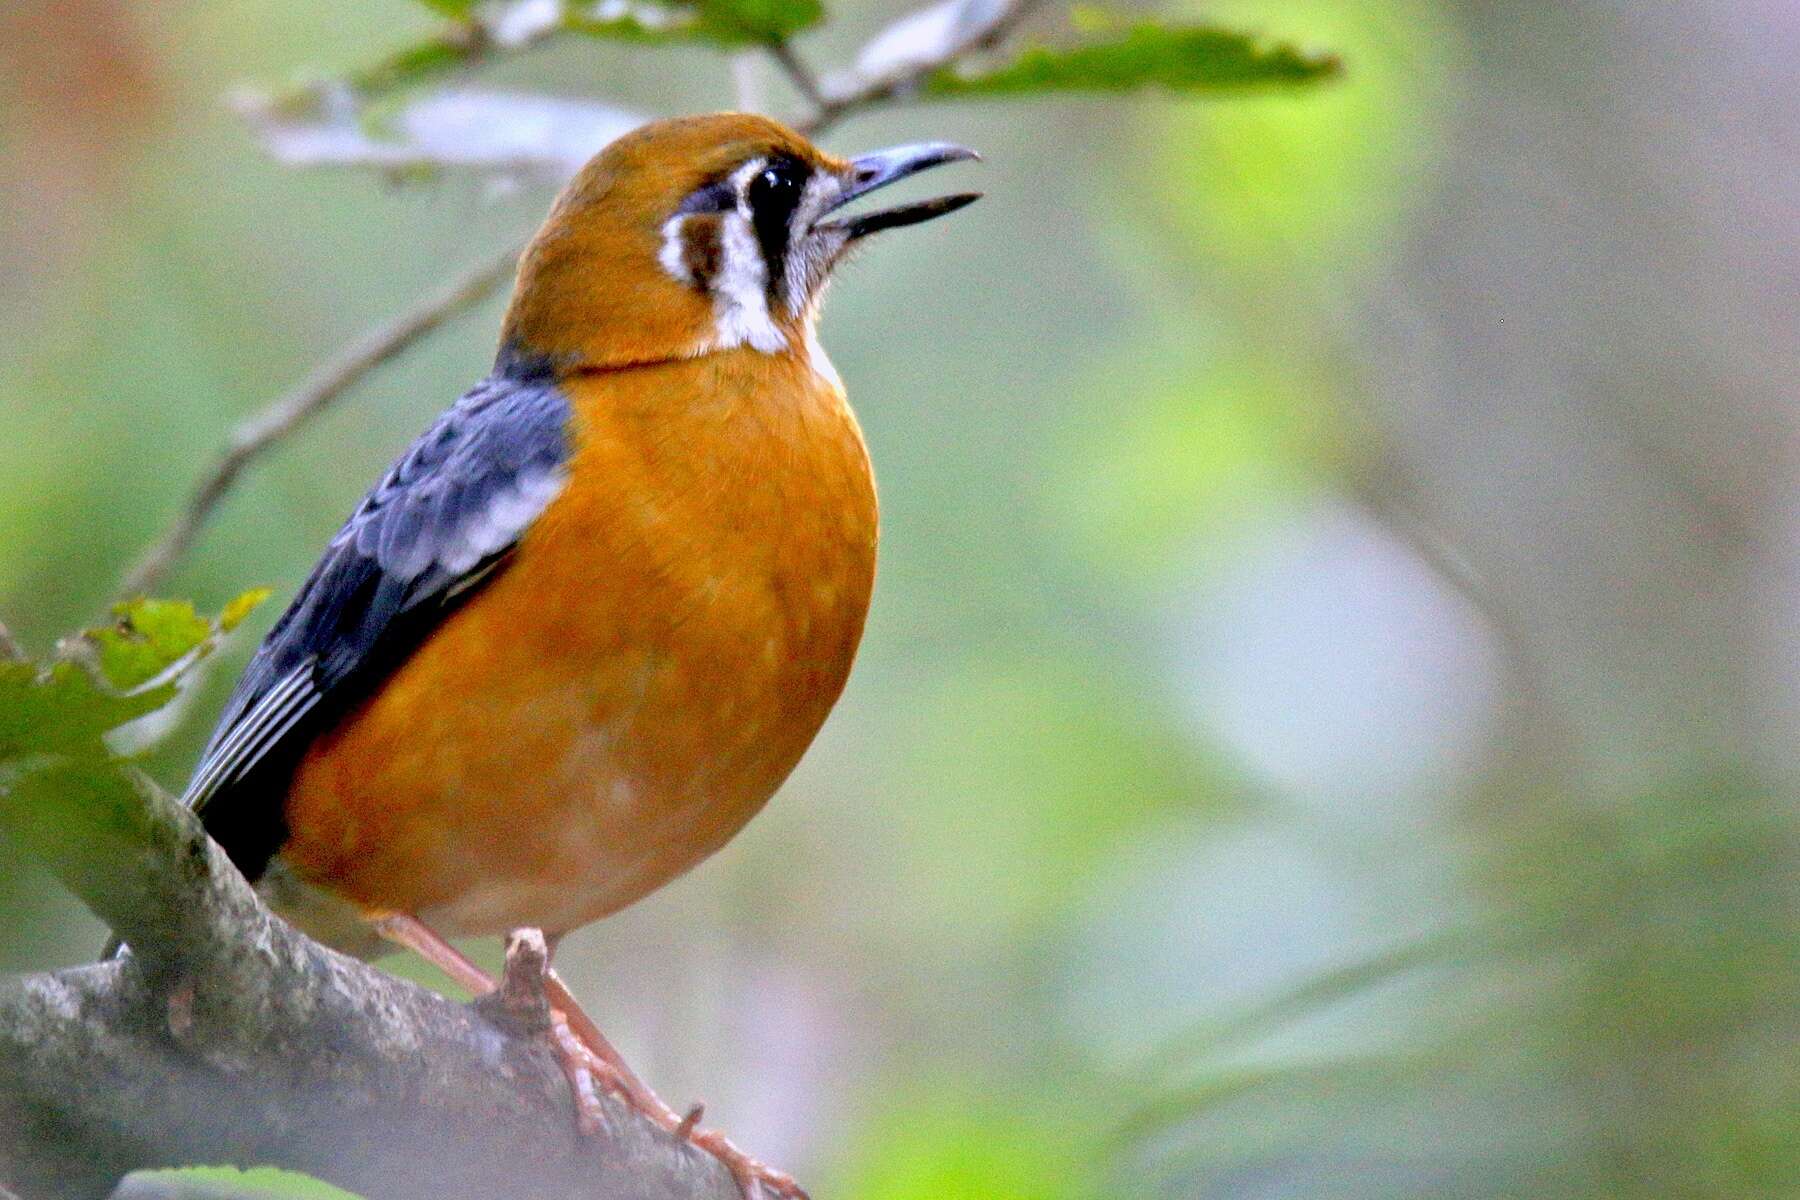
699,234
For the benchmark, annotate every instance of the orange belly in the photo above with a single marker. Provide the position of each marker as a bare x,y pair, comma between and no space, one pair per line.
619,700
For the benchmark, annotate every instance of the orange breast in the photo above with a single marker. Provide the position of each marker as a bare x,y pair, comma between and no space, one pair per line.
631,689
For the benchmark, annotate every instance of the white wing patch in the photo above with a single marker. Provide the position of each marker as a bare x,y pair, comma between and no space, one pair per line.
503,520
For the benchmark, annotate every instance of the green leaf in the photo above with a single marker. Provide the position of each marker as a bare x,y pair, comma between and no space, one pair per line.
1113,58
460,9
483,33
757,20
150,637
64,710
108,677
413,65
231,1183
233,614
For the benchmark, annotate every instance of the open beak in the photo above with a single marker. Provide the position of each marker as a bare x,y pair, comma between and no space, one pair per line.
883,167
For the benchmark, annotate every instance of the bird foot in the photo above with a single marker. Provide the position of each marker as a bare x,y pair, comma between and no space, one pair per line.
589,1075
756,1180
531,1001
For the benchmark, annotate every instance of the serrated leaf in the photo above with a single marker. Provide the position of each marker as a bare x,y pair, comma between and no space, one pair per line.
1186,59
241,606
150,637
112,689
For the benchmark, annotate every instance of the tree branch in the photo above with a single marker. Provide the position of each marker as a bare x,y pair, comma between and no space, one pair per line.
228,1036
10,651
798,73
325,385
852,91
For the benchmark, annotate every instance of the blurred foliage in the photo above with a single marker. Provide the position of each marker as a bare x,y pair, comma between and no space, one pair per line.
932,1140
1200,466
107,677
1123,57
1310,188
230,1183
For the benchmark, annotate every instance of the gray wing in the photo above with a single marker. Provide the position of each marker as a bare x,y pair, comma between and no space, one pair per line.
441,521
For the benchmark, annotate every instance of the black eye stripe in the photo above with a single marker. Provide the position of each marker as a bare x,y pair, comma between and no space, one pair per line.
774,193
714,197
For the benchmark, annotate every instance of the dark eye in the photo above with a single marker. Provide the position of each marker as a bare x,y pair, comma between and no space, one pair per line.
773,196
776,188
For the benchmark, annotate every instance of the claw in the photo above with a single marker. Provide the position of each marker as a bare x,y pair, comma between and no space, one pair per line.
755,1179
530,998
685,1130
586,1075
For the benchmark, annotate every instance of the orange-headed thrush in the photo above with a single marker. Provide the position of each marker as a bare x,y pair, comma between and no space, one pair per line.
588,622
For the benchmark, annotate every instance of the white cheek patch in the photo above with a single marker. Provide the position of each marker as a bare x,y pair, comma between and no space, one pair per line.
741,289
739,284
673,255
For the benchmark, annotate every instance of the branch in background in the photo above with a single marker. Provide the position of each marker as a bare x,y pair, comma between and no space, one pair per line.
798,73
263,431
267,428
227,1036
897,60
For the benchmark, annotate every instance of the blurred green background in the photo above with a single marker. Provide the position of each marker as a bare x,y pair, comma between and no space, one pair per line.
1327,725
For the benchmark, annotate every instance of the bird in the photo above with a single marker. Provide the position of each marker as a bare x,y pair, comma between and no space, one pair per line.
588,622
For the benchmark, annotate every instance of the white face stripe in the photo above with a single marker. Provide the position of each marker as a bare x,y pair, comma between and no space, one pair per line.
741,288
740,285
673,255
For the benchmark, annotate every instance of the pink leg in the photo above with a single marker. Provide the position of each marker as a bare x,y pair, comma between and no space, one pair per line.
413,934
588,1056
579,1064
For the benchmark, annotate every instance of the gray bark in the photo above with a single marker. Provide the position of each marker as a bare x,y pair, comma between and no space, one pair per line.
229,1037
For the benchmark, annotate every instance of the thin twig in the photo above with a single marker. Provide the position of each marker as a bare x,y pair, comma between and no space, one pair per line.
10,651
325,385
259,433
842,96
798,73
